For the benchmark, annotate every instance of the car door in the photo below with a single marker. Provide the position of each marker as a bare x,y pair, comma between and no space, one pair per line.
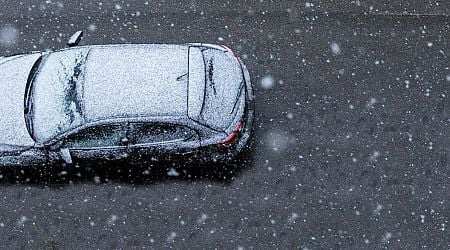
101,142
161,141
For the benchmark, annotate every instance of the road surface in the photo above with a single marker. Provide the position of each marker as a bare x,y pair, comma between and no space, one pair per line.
351,145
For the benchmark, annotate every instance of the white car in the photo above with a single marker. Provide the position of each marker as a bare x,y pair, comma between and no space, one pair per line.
135,101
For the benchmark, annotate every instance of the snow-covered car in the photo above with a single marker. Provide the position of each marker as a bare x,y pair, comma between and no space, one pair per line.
134,102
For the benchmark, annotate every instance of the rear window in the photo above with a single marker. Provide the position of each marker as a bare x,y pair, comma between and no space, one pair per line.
224,83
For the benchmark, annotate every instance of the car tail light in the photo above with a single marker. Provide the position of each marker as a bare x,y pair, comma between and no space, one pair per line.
232,138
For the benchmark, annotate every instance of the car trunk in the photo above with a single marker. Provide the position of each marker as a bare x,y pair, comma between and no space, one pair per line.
223,89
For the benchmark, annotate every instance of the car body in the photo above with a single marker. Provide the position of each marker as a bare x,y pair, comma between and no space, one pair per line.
135,102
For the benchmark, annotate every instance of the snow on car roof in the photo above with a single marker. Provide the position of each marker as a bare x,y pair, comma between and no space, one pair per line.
135,80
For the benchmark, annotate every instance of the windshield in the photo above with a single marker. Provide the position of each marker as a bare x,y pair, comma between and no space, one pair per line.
53,99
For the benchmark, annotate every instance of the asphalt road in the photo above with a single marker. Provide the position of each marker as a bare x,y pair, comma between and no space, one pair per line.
351,145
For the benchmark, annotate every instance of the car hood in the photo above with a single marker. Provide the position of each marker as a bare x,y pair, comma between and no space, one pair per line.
13,78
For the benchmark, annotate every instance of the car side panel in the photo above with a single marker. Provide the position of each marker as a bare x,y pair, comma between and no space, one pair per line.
27,157
101,154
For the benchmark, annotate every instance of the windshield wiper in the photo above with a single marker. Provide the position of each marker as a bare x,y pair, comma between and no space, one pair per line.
210,75
28,97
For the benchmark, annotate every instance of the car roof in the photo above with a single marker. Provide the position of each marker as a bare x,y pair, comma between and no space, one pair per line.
135,80
92,83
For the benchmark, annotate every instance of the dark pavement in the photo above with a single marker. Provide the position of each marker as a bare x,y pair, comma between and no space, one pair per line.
352,136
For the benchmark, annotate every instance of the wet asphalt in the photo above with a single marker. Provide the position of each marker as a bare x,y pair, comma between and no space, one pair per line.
351,145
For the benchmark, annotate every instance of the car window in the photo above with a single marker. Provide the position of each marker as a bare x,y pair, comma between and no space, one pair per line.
143,133
96,137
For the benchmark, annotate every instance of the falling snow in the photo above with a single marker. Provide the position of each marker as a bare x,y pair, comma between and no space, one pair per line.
350,147
335,48
8,36
267,82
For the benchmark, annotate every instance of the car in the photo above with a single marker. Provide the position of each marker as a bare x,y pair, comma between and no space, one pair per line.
132,102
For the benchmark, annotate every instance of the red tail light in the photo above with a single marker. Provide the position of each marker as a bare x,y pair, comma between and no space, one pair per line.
229,140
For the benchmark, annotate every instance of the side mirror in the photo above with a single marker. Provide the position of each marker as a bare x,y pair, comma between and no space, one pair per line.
75,39
65,155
